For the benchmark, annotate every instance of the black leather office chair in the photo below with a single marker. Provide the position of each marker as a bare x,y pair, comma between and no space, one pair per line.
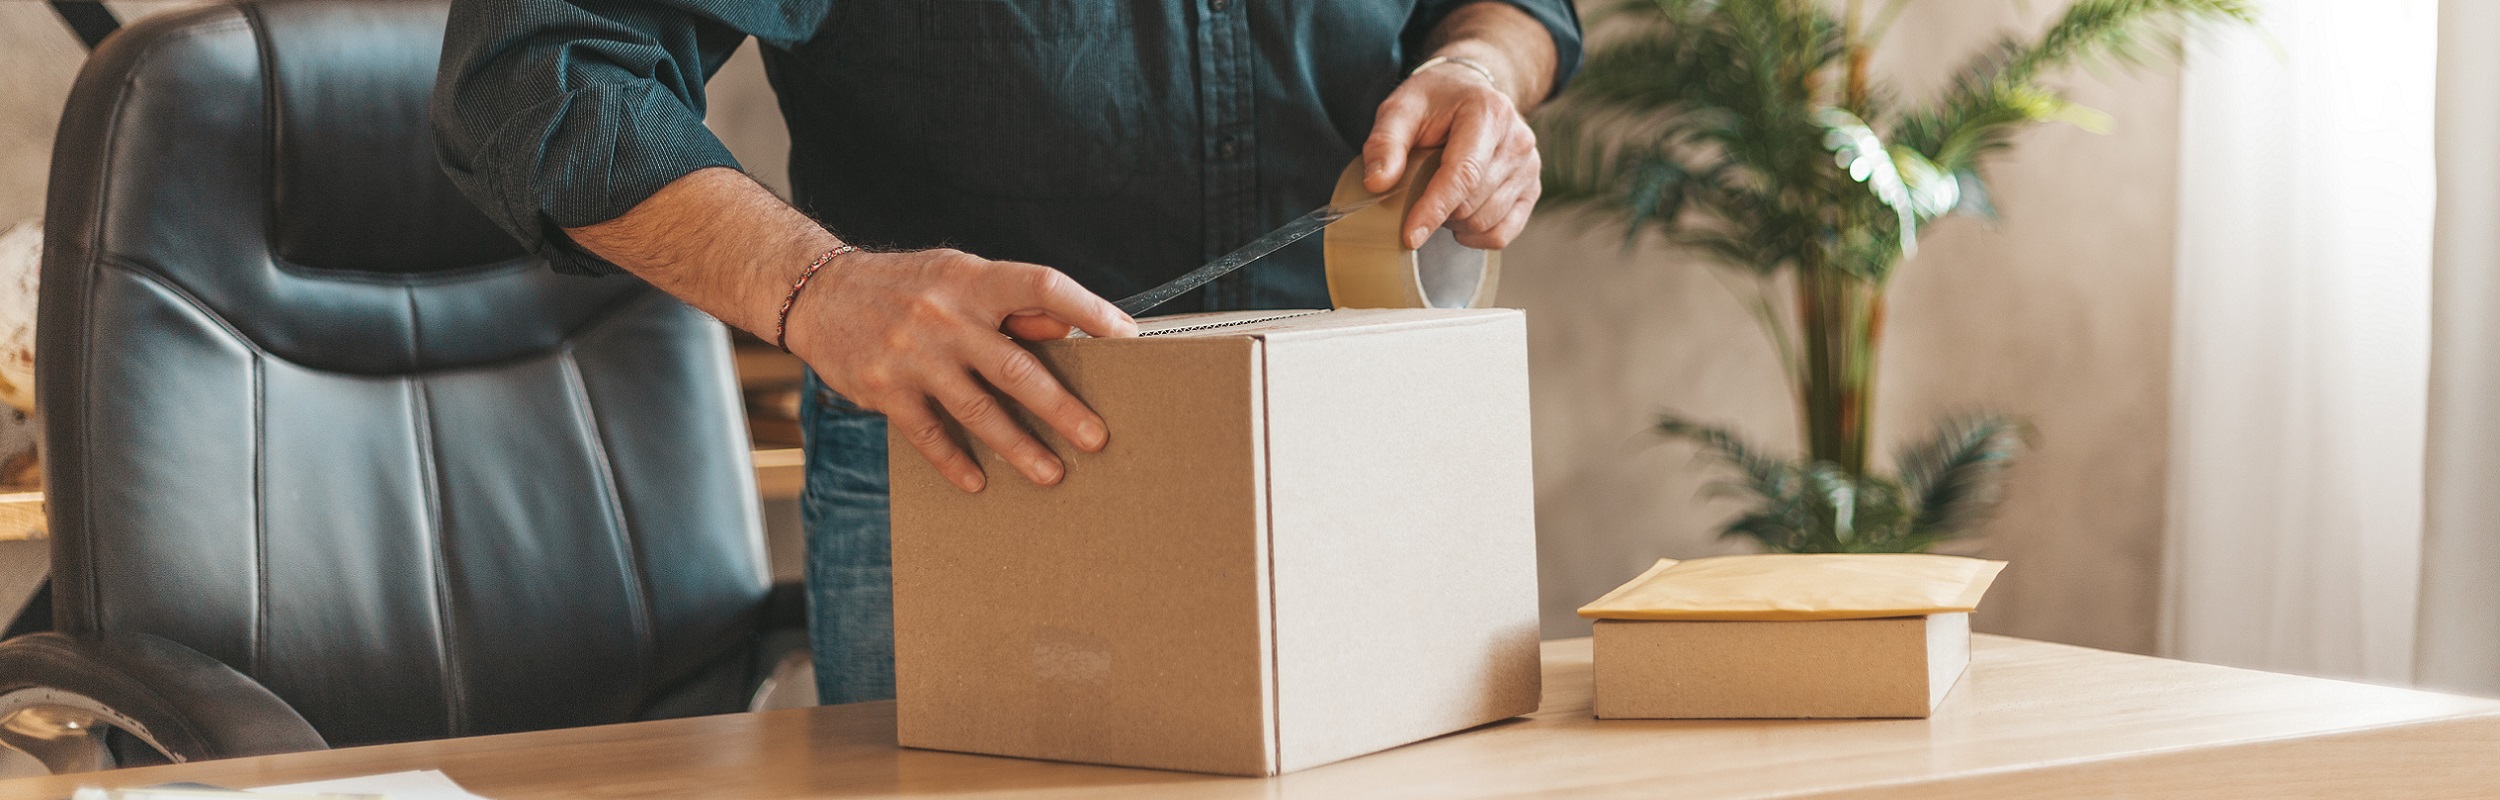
330,461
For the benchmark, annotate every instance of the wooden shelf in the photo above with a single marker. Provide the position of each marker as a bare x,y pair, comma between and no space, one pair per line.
21,516
779,475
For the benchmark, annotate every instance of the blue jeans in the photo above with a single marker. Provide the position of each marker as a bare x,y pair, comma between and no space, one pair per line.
850,572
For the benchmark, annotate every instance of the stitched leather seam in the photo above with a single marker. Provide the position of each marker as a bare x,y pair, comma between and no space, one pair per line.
260,516
455,694
519,263
192,302
598,319
627,547
270,98
265,53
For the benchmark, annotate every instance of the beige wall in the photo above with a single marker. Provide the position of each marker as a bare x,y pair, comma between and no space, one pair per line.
2060,315
39,57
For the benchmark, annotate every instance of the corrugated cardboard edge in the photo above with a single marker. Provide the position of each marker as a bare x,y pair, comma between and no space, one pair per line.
1374,321
1273,703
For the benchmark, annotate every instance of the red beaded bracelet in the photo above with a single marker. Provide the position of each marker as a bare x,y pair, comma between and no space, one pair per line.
781,329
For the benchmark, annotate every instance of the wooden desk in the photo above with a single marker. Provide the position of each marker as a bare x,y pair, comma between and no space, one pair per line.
2031,720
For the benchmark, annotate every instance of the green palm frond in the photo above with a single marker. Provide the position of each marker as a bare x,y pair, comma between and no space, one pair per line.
1760,472
1752,133
1813,507
1954,477
1999,93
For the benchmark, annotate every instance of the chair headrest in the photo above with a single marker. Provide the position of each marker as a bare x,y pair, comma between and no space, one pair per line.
355,185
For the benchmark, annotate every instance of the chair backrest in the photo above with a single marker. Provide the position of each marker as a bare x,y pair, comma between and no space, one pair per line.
310,413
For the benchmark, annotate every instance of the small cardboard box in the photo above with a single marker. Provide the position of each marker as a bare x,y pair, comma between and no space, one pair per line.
1842,668
1310,538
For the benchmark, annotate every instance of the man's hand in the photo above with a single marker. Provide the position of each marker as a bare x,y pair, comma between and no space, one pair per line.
904,334
1488,181
907,334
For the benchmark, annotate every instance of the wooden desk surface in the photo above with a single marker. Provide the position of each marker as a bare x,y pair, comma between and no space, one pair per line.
2029,720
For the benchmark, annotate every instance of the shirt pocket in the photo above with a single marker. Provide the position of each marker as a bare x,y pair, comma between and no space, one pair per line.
1031,99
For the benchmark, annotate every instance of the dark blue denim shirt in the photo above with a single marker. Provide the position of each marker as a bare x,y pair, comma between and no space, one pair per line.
1123,141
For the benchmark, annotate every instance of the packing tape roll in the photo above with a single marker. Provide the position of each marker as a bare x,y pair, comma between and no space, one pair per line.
1370,267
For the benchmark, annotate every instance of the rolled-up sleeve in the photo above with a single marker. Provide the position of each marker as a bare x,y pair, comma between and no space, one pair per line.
1559,17
554,114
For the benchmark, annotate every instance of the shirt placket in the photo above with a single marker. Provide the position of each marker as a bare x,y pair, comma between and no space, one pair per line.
1227,100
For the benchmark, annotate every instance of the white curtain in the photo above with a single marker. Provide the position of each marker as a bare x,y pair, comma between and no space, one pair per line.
2301,346
2459,646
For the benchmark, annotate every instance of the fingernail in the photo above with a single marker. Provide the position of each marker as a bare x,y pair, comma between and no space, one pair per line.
1047,470
1415,238
970,483
1089,435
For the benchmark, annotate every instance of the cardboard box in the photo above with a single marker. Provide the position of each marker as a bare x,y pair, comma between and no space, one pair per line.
1311,538
1848,668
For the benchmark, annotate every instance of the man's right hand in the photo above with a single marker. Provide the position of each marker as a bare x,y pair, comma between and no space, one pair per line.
911,334
905,334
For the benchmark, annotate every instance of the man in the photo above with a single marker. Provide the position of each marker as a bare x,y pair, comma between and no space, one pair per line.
1119,142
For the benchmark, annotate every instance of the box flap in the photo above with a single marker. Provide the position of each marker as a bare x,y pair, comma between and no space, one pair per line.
1303,323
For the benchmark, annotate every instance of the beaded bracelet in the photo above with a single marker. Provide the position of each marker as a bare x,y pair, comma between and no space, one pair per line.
781,328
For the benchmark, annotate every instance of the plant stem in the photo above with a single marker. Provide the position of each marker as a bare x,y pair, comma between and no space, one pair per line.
1840,317
1871,342
1853,40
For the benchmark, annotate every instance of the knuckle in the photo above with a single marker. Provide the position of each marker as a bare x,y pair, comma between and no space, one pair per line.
1019,368
928,436
1045,281
977,410
876,382
925,307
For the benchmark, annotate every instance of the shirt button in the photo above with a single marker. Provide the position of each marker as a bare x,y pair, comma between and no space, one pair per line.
1219,5
1228,147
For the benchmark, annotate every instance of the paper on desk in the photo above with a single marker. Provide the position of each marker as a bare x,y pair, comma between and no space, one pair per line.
424,784
1800,587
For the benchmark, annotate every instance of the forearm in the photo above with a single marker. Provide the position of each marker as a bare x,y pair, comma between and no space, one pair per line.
1516,47
717,240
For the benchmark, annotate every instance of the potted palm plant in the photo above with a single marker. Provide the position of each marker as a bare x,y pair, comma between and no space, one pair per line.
1752,133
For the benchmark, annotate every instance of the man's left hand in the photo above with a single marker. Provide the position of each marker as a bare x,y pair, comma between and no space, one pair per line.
1488,182
1498,64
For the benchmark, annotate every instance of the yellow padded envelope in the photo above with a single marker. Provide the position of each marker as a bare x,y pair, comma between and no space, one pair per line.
1800,587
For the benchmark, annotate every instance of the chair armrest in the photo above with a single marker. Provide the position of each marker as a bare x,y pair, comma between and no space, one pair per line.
188,706
781,652
785,607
